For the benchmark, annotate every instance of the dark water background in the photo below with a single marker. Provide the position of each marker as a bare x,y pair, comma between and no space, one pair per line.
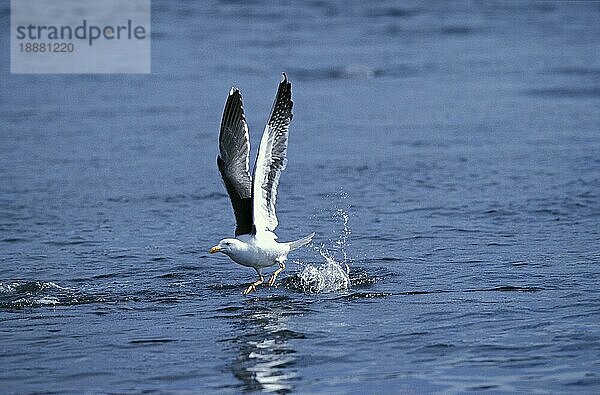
462,140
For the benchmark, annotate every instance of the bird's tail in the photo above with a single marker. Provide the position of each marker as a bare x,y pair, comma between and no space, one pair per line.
301,242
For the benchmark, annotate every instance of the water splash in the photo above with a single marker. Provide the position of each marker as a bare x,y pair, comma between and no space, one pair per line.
29,294
333,274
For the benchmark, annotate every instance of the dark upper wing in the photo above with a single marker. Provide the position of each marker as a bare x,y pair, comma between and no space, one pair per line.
271,159
234,151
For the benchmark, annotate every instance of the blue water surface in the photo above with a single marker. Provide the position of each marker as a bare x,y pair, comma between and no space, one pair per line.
461,141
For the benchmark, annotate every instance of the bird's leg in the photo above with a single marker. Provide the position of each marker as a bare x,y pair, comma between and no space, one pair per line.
275,273
252,287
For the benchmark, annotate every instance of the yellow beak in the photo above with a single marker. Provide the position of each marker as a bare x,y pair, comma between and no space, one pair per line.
214,249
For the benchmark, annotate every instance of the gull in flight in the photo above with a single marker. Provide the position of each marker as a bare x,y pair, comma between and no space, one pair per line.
253,197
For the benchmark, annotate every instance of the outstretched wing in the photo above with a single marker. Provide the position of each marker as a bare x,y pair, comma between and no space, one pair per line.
271,159
233,161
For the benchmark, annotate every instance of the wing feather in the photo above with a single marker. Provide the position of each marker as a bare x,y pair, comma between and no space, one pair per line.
271,159
233,161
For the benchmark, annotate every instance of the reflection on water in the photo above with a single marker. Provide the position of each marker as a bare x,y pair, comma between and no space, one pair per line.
266,358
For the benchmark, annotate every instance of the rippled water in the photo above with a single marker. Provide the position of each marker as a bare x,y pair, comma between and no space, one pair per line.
446,155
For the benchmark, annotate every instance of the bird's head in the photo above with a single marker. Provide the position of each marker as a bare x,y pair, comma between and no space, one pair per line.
226,246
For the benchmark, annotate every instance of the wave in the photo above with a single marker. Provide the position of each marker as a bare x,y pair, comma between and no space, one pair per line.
29,294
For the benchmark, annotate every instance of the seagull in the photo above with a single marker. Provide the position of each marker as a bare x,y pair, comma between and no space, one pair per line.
253,196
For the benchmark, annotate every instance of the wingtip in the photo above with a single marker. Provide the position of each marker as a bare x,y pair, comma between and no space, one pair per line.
233,91
284,77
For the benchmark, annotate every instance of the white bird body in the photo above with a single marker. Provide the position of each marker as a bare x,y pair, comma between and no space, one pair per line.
257,251
253,196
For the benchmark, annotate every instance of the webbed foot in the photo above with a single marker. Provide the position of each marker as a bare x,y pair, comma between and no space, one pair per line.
252,287
271,281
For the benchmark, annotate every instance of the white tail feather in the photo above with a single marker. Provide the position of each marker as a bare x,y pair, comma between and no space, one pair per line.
301,242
